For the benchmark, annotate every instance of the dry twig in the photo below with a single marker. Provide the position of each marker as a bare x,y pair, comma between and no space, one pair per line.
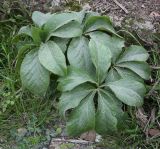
121,6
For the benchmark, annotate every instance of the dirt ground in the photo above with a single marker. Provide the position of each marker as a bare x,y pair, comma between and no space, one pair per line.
140,16
146,13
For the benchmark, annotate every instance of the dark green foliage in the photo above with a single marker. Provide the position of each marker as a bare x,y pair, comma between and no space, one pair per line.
97,73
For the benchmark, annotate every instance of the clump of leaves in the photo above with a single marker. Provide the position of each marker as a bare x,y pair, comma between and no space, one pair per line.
97,72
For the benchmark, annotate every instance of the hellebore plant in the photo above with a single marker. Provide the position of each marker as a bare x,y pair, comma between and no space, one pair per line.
97,72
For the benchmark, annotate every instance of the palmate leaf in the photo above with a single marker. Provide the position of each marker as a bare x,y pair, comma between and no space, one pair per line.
34,76
78,54
52,58
108,113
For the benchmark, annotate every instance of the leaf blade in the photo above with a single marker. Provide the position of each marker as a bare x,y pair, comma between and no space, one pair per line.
140,68
128,91
78,54
52,58
82,119
134,53
34,76
101,58
71,99
74,78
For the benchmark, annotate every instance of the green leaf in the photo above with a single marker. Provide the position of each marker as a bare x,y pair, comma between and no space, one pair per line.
36,34
33,75
79,16
99,23
115,44
128,91
134,53
78,54
62,43
107,113
126,73
101,58
74,78
140,68
69,30
82,118
112,76
20,55
52,58
25,30
58,20
40,18
71,99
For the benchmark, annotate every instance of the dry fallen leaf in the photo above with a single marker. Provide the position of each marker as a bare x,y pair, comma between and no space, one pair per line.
154,14
89,136
154,132
142,118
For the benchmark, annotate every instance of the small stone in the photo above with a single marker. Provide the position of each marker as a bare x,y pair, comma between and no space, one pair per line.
142,6
22,132
86,7
56,3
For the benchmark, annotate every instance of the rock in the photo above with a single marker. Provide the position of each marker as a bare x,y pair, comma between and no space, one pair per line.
22,132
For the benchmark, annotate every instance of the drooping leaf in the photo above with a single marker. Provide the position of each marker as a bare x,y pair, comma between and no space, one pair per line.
62,43
69,30
40,18
52,58
128,91
71,99
115,44
74,78
78,54
99,23
25,30
82,118
101,58
134,53
33,75
140,68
